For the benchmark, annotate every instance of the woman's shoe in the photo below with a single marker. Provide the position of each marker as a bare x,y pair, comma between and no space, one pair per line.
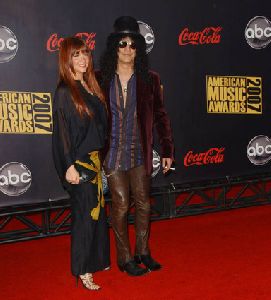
88,283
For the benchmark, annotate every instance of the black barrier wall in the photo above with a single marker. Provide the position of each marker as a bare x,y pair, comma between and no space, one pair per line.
213,60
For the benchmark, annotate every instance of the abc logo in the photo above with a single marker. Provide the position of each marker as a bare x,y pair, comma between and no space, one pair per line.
15,179
155,163
258,32
259,150
147,32
8,44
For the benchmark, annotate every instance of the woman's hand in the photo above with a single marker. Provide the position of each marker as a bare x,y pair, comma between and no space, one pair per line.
72,176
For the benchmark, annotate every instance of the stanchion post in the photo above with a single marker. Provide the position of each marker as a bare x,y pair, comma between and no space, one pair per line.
171,200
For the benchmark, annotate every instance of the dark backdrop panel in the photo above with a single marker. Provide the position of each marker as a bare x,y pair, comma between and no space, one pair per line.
183,71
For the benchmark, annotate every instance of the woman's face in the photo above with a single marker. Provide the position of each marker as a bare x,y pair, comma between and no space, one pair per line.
80,62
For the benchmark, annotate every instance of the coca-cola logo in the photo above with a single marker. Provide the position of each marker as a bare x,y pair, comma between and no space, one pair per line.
8,44
258,32
15,179
148,34
259,150
54,41
209,35
211,156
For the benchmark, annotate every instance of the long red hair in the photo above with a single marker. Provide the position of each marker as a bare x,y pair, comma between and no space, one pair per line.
68,48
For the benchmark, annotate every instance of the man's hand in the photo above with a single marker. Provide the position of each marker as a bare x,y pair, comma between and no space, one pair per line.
166,164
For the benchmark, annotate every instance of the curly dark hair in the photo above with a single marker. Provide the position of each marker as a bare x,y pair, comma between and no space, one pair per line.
109,59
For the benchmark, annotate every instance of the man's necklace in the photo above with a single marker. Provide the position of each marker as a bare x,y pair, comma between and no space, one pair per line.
124,86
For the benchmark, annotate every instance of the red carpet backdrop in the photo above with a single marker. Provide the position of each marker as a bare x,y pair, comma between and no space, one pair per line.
213,58
222,256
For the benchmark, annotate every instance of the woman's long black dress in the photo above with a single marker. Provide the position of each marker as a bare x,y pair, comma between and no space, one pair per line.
73,138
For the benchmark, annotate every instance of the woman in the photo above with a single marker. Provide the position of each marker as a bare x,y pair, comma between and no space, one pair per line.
78,136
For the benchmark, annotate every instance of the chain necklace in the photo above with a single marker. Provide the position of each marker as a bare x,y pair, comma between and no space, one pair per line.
85,86
124,86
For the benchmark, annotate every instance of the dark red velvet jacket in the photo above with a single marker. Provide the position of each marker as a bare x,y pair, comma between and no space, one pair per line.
150,113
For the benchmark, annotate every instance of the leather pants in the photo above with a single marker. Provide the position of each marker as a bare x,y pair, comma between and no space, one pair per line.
121,183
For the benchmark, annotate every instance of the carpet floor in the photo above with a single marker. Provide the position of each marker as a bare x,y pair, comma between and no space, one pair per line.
215,256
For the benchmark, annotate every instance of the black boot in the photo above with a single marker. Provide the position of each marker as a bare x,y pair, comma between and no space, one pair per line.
132,269
148,261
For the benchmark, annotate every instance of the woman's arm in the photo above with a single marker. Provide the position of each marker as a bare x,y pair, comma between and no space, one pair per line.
62,143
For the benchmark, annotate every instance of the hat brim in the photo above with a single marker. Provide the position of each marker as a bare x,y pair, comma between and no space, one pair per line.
127,33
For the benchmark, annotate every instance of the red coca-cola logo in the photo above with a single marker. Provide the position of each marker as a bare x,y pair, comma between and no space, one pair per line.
209,35
211,156
54,41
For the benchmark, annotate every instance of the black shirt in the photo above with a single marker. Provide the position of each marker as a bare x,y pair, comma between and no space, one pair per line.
74,136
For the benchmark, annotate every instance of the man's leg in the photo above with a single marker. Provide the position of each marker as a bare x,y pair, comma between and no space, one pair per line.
140,187
118,183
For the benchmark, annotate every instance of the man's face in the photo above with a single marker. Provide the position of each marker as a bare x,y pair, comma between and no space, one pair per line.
126,51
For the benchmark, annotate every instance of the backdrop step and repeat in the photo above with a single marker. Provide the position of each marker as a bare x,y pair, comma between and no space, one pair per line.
214,62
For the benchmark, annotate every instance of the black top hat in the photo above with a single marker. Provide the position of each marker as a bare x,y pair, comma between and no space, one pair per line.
126,24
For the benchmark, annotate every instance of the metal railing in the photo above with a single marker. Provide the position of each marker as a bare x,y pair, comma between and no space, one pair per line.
28,222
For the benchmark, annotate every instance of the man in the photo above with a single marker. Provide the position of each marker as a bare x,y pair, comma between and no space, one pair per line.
135,105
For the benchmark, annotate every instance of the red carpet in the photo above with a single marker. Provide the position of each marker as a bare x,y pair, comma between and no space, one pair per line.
214,256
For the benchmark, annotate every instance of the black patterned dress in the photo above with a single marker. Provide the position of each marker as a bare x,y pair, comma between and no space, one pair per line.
76,139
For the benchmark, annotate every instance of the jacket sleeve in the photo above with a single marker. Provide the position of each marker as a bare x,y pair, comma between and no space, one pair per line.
161,119
61,141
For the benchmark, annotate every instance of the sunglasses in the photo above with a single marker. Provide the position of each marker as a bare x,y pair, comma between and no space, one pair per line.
123,44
